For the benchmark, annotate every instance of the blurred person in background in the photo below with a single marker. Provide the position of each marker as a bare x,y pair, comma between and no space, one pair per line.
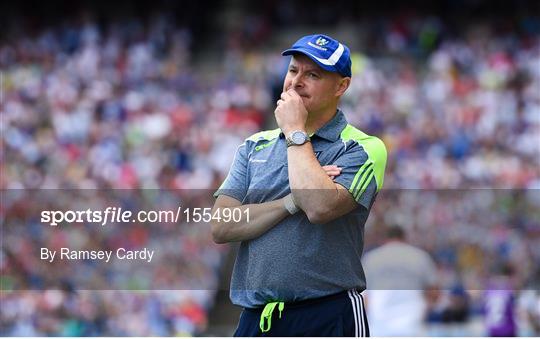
449,315
401,286
500,303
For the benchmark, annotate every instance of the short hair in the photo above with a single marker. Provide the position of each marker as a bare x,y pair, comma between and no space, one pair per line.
505,269
395,232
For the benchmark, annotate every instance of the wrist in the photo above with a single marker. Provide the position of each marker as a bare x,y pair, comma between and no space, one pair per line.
290,205
297,138
288,130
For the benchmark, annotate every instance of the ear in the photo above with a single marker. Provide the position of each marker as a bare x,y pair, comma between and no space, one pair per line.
343,84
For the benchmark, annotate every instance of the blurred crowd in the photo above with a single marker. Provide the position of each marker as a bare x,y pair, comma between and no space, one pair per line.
103,312
468,118
133,107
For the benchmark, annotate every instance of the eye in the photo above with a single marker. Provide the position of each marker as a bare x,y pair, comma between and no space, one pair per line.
293,71
313,75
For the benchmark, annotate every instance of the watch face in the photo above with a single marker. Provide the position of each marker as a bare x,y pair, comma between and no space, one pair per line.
298,137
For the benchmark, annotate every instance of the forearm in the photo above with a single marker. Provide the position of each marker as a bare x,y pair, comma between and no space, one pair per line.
313,191
262,217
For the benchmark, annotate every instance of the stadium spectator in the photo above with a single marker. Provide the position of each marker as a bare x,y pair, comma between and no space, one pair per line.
401,286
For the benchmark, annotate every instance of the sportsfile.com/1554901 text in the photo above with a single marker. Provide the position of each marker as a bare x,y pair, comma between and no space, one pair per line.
119,215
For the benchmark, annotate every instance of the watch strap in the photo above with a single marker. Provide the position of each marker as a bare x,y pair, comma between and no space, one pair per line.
290,205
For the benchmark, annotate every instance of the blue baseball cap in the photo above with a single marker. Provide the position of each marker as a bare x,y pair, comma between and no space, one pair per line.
328,53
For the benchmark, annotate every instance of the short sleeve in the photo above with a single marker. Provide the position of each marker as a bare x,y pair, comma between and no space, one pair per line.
362,170
235,184
430,272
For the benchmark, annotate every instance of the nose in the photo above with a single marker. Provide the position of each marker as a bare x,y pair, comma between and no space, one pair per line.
296,81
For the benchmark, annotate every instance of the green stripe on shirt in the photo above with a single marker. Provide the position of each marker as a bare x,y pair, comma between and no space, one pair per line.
377,154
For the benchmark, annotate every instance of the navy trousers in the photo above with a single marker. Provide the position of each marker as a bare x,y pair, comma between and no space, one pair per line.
337,315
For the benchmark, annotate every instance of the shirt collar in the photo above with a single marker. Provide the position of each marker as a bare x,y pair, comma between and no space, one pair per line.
332,129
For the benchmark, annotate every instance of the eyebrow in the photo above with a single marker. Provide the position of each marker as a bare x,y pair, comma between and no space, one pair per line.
313,69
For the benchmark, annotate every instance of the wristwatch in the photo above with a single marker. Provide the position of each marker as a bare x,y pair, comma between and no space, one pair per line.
297,138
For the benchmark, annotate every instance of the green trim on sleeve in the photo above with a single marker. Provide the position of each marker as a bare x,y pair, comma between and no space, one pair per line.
374,165
265,135
360,175
364,186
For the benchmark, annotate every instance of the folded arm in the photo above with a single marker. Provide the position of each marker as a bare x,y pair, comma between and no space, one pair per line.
313,190
262,217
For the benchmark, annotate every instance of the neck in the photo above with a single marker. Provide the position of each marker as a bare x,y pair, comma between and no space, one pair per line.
317,120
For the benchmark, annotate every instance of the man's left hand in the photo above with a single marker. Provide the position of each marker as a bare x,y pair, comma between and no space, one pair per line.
291,114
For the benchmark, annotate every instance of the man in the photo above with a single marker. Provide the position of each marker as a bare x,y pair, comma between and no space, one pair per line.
500,303
401,281
308,187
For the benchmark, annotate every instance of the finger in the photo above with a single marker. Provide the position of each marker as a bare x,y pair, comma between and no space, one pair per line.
279,102
285,96
293,93
332,177
332,172
332,167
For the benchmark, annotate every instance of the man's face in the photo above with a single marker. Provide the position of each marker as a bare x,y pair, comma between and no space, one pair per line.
317,87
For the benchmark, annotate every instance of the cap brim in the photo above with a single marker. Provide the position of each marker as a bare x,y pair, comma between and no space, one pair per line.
292,51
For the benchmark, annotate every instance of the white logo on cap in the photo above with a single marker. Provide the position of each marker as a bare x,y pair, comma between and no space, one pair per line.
316,46
321,41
